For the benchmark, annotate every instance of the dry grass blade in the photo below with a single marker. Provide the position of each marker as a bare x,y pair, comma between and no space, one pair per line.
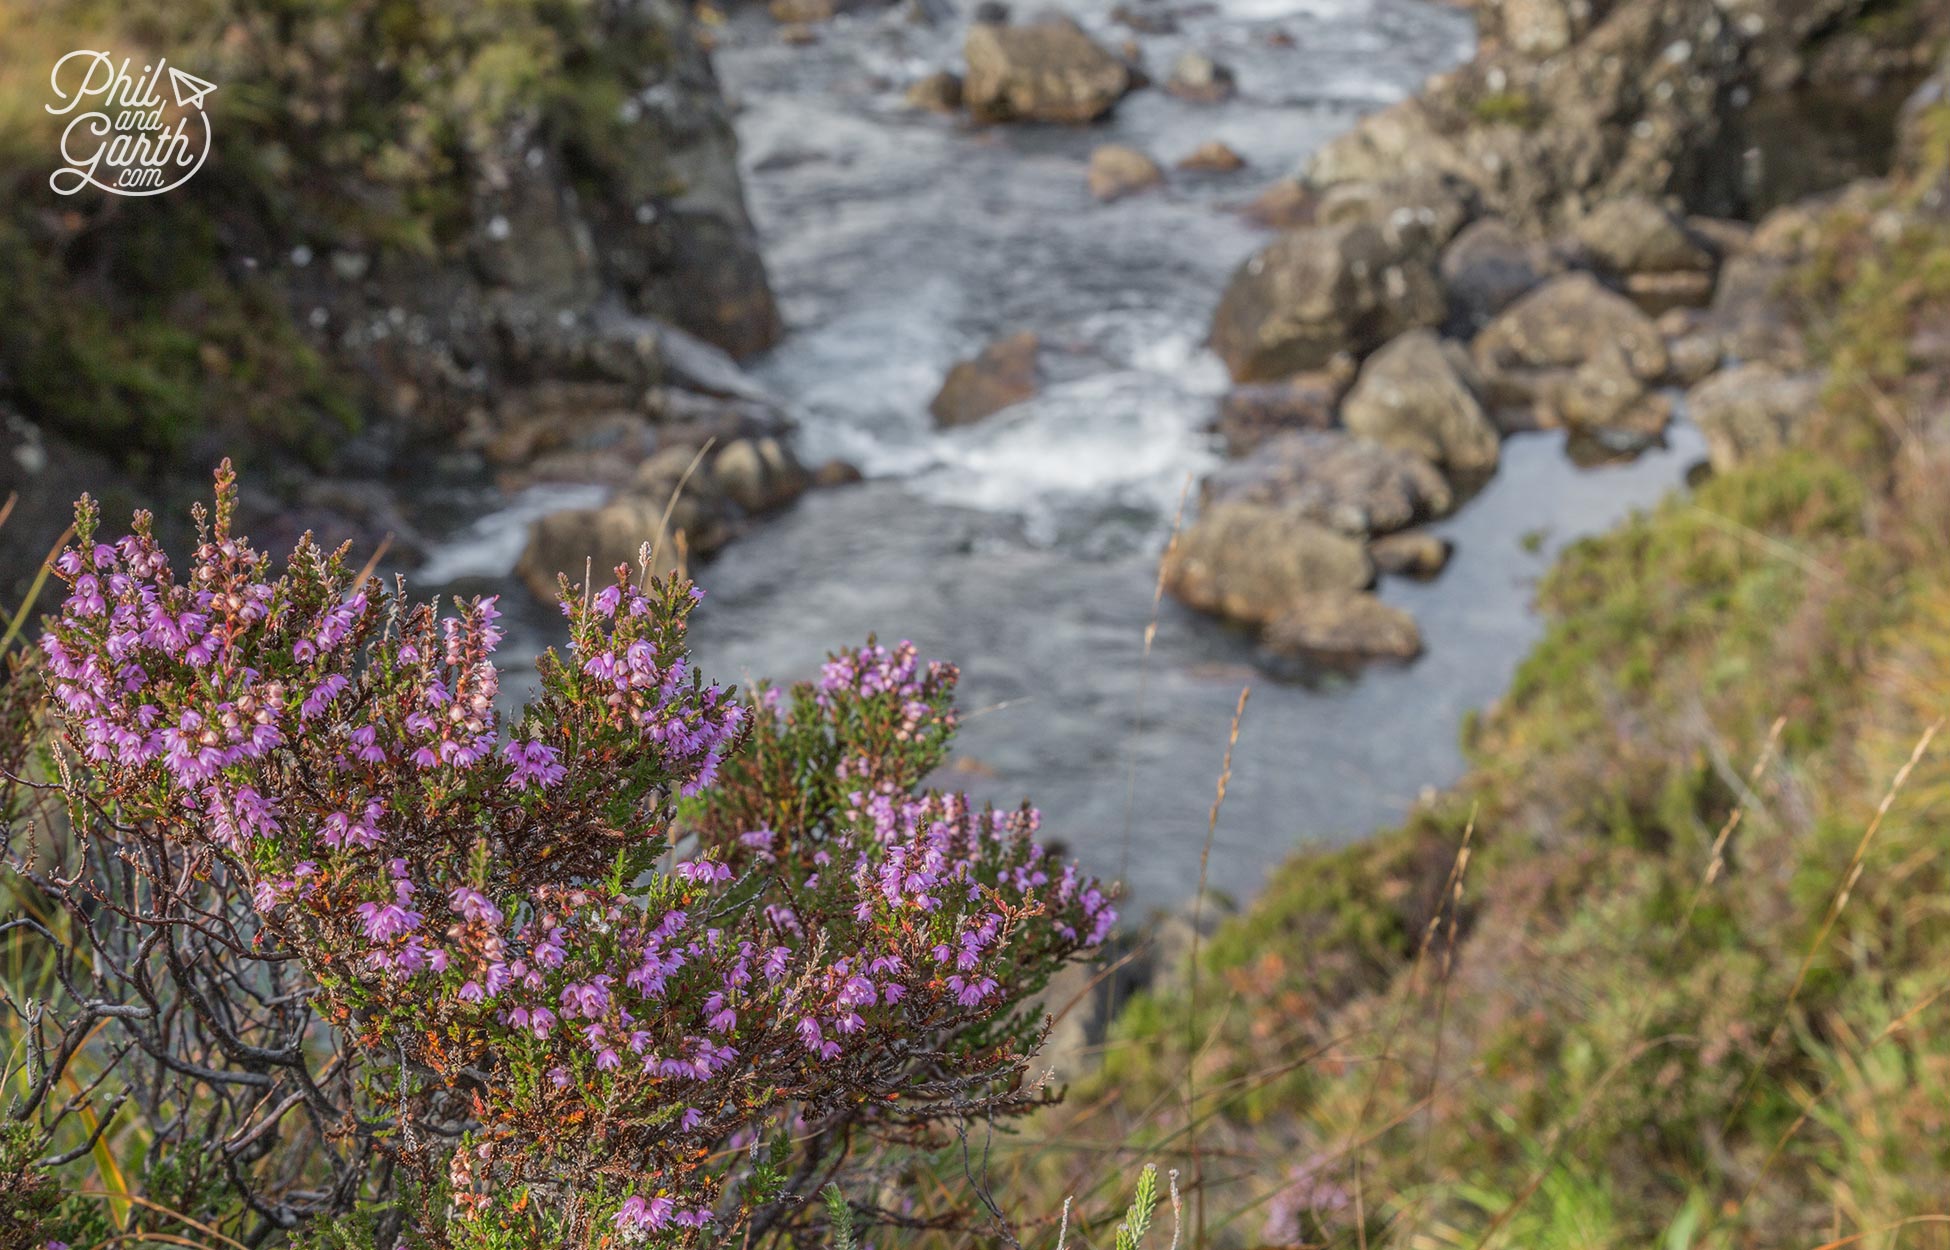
19,621
1850,877
1144,678
670,504
1198,912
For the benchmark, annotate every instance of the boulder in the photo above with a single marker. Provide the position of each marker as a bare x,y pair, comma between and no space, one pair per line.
1196,76
1528,353
1212,158
1751,410
580,541
939,92
1319,291
833,473
1336,480
759,474
1635,234
1411,553
1418,394
1281,206
1252,562
1117,171
1004,373
1568,105
1354,626
1249,415
1604,397
1487,267
1414,212
1048,70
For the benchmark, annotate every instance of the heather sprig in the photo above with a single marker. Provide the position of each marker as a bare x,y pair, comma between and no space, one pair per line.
568,1002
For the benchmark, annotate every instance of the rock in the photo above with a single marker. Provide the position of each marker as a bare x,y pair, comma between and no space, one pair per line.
1282,206
1537,28
1213,157
1117,171
1605,397
1723,236
1691,357
1414,212
1661,292
1252,562
1411,553
1560,112
1752,320
1249,415
590,542
759,474
1487,267
1196,76
939,92
1527,354
1751,410
1358,626
802,12
1319,291
1003,374
1418,394
834,473
798,34
991,13
1145,21
1333,479
1049,70
1634,234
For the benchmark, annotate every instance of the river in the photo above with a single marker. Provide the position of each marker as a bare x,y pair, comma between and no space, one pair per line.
1025,548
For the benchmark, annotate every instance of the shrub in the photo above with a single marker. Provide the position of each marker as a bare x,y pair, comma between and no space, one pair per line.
648,964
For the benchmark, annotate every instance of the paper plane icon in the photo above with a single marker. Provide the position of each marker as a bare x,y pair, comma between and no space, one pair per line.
189,89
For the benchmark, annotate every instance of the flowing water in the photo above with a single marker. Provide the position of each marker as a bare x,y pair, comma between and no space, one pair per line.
1025,548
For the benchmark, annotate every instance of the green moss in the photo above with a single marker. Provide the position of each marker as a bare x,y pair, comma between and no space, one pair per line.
1507,108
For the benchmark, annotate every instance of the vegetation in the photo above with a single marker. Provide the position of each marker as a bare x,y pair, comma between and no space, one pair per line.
152,329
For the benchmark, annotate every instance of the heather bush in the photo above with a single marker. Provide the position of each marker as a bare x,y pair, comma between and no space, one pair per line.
650,963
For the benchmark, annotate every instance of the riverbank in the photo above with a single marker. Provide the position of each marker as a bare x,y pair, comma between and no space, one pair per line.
1667,966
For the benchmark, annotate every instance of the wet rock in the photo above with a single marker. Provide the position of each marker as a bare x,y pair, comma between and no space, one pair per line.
1418,394
798,34
1336,480
1213,157
1605,397
1049,70
1281,206
1252,562
834,473
1196,76
802,12
1530,353
1635,234
759,474
1319,291
1691,357
939,92
1487,267
1249,415
1117,171
581,542
1145,21
991,13
1004,373
1660,292
1751,410
1414,212
1356,626
1411,553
